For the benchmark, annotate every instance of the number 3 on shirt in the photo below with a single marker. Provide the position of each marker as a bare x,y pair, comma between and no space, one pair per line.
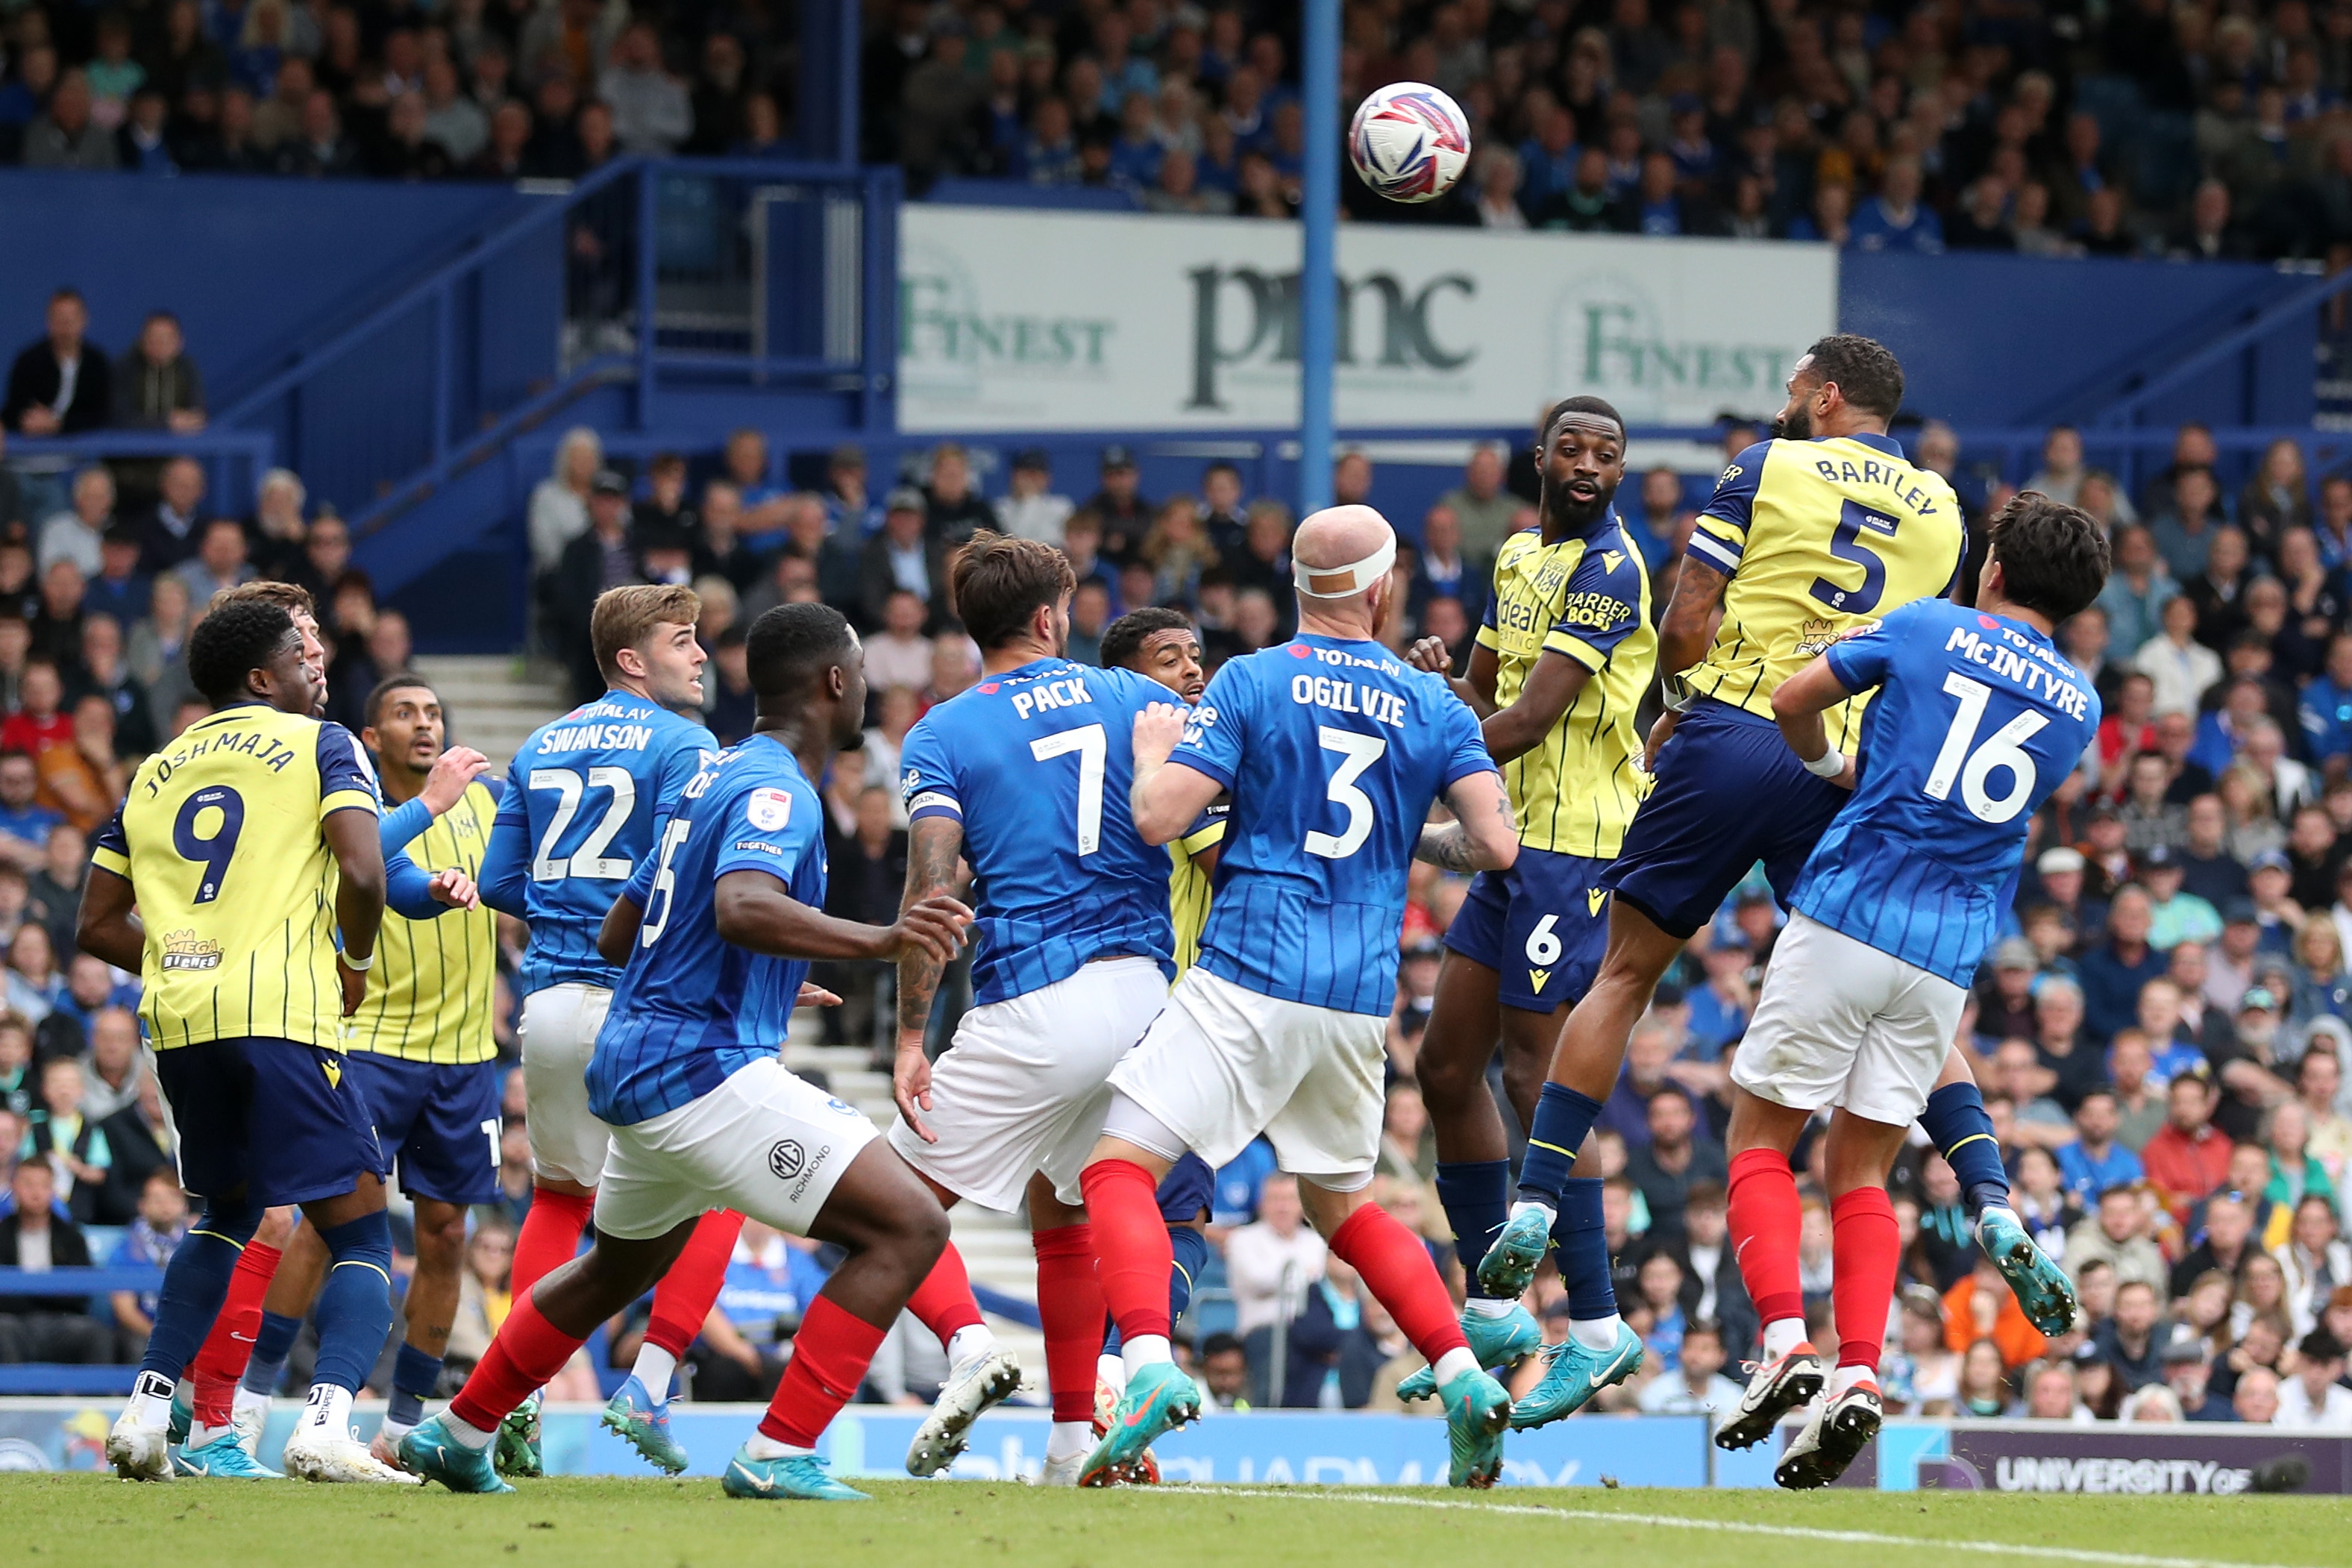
1358,753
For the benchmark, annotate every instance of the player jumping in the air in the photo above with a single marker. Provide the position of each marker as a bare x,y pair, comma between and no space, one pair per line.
1278,1029
703,1115
236,934
1811,537
1561,663
1026,778
1978,719
583,796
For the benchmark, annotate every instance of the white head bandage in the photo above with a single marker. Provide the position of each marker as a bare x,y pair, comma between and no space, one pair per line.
1344,581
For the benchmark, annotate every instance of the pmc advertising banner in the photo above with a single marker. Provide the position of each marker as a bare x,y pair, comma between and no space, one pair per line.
1037,320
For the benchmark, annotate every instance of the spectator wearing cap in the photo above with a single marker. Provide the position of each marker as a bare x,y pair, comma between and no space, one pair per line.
906,557
2004,996
1030,509
2174,916
2188,1378
2113,971
604,557
2096,1160
2108,864
2188,1157
2270,886
2248,1070
1721,1007
2063,871
1120,506
851,512
2229,962
2313,1400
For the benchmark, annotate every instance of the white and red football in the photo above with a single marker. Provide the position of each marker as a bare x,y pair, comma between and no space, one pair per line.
1409,141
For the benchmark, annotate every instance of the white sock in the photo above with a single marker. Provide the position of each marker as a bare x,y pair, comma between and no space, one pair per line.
1454,1363
1110,1369
1782,1335
327,1411
1144,1350
1846,1377
1069,1440
247,1400
2001,1209
655,1368
1545,1209
1595,1333
466,1433
760,1445
394,1431
966,1342
150,1402
1489,1306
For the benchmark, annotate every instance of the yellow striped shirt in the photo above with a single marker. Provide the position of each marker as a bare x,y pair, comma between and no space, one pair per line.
430,999
1188,883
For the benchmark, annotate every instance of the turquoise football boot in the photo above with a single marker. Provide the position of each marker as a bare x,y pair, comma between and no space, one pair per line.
222,1458
1477,1413
184,1412
643,1425
1495,1342
1575,1375
430,1451
801,1478
1510,1266
2042,1287
1159,1399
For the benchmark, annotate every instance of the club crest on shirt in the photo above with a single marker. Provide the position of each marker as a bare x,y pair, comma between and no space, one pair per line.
769,809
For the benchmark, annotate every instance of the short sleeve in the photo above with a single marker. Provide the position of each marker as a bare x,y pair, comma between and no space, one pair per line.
1208,830
1720,539
1602,607
346,781
1466,744
110,850
690,752
766,829
514,810
1861,660
925,784
1212,735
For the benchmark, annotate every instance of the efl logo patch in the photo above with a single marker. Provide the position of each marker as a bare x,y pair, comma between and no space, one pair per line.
769,809
786,1158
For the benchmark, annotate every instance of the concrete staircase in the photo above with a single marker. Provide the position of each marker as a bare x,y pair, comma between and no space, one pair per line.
494,702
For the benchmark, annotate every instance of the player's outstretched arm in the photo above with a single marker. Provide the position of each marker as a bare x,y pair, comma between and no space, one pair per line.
1165,800
1484,835
108,925
359,895
1478,689
934,863
505,867
453,771
754,911
1551,691
1797,706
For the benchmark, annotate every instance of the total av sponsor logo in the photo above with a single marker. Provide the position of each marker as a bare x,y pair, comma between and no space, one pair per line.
1610,337
1391,331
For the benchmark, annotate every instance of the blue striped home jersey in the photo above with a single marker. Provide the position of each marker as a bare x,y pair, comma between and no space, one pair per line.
1333,751
1978,719
692,1008
1036,764
582,798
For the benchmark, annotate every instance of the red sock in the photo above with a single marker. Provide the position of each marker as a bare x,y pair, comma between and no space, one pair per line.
1865,1246
525,1353
1396,1269
683,1298
1070,1303
550,1238
1765,1217
229,1346
1131,1250
943,1302
830,1356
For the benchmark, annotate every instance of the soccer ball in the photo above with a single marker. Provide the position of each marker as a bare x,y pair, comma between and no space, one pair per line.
1409,141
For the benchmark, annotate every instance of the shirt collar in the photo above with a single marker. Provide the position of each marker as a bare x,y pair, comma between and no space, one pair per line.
1872,439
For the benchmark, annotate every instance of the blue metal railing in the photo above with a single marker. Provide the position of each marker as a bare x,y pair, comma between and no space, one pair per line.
234,460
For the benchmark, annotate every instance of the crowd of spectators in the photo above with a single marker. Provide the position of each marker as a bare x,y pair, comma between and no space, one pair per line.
2191,129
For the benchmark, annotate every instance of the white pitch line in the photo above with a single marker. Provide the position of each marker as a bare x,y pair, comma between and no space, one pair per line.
1732,1527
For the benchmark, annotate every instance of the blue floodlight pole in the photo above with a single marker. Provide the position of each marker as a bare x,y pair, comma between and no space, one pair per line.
1318,280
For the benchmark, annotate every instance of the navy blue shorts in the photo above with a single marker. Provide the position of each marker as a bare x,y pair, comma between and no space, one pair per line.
281,1121
1729,792
438,1121
1539,926
1187,1189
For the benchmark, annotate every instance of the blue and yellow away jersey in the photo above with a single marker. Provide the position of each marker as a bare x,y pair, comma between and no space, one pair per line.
1189,882
1588,597
220,838
430,997
1979,718
1819,537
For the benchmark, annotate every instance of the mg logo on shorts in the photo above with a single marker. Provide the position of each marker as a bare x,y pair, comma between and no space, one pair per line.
786,1158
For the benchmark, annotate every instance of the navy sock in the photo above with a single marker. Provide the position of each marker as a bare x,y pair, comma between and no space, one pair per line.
354,1307
1957,1122
272,1343
413,1375
194,1286
1191,1249
1580,1239
1476,1197
1564,1118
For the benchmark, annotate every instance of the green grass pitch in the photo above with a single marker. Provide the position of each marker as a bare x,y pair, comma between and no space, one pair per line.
66,1520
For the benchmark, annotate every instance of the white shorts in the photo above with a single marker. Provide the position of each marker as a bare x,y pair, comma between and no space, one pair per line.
1841,1022
559,1032
1222,1064
763,1143
1024,1086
